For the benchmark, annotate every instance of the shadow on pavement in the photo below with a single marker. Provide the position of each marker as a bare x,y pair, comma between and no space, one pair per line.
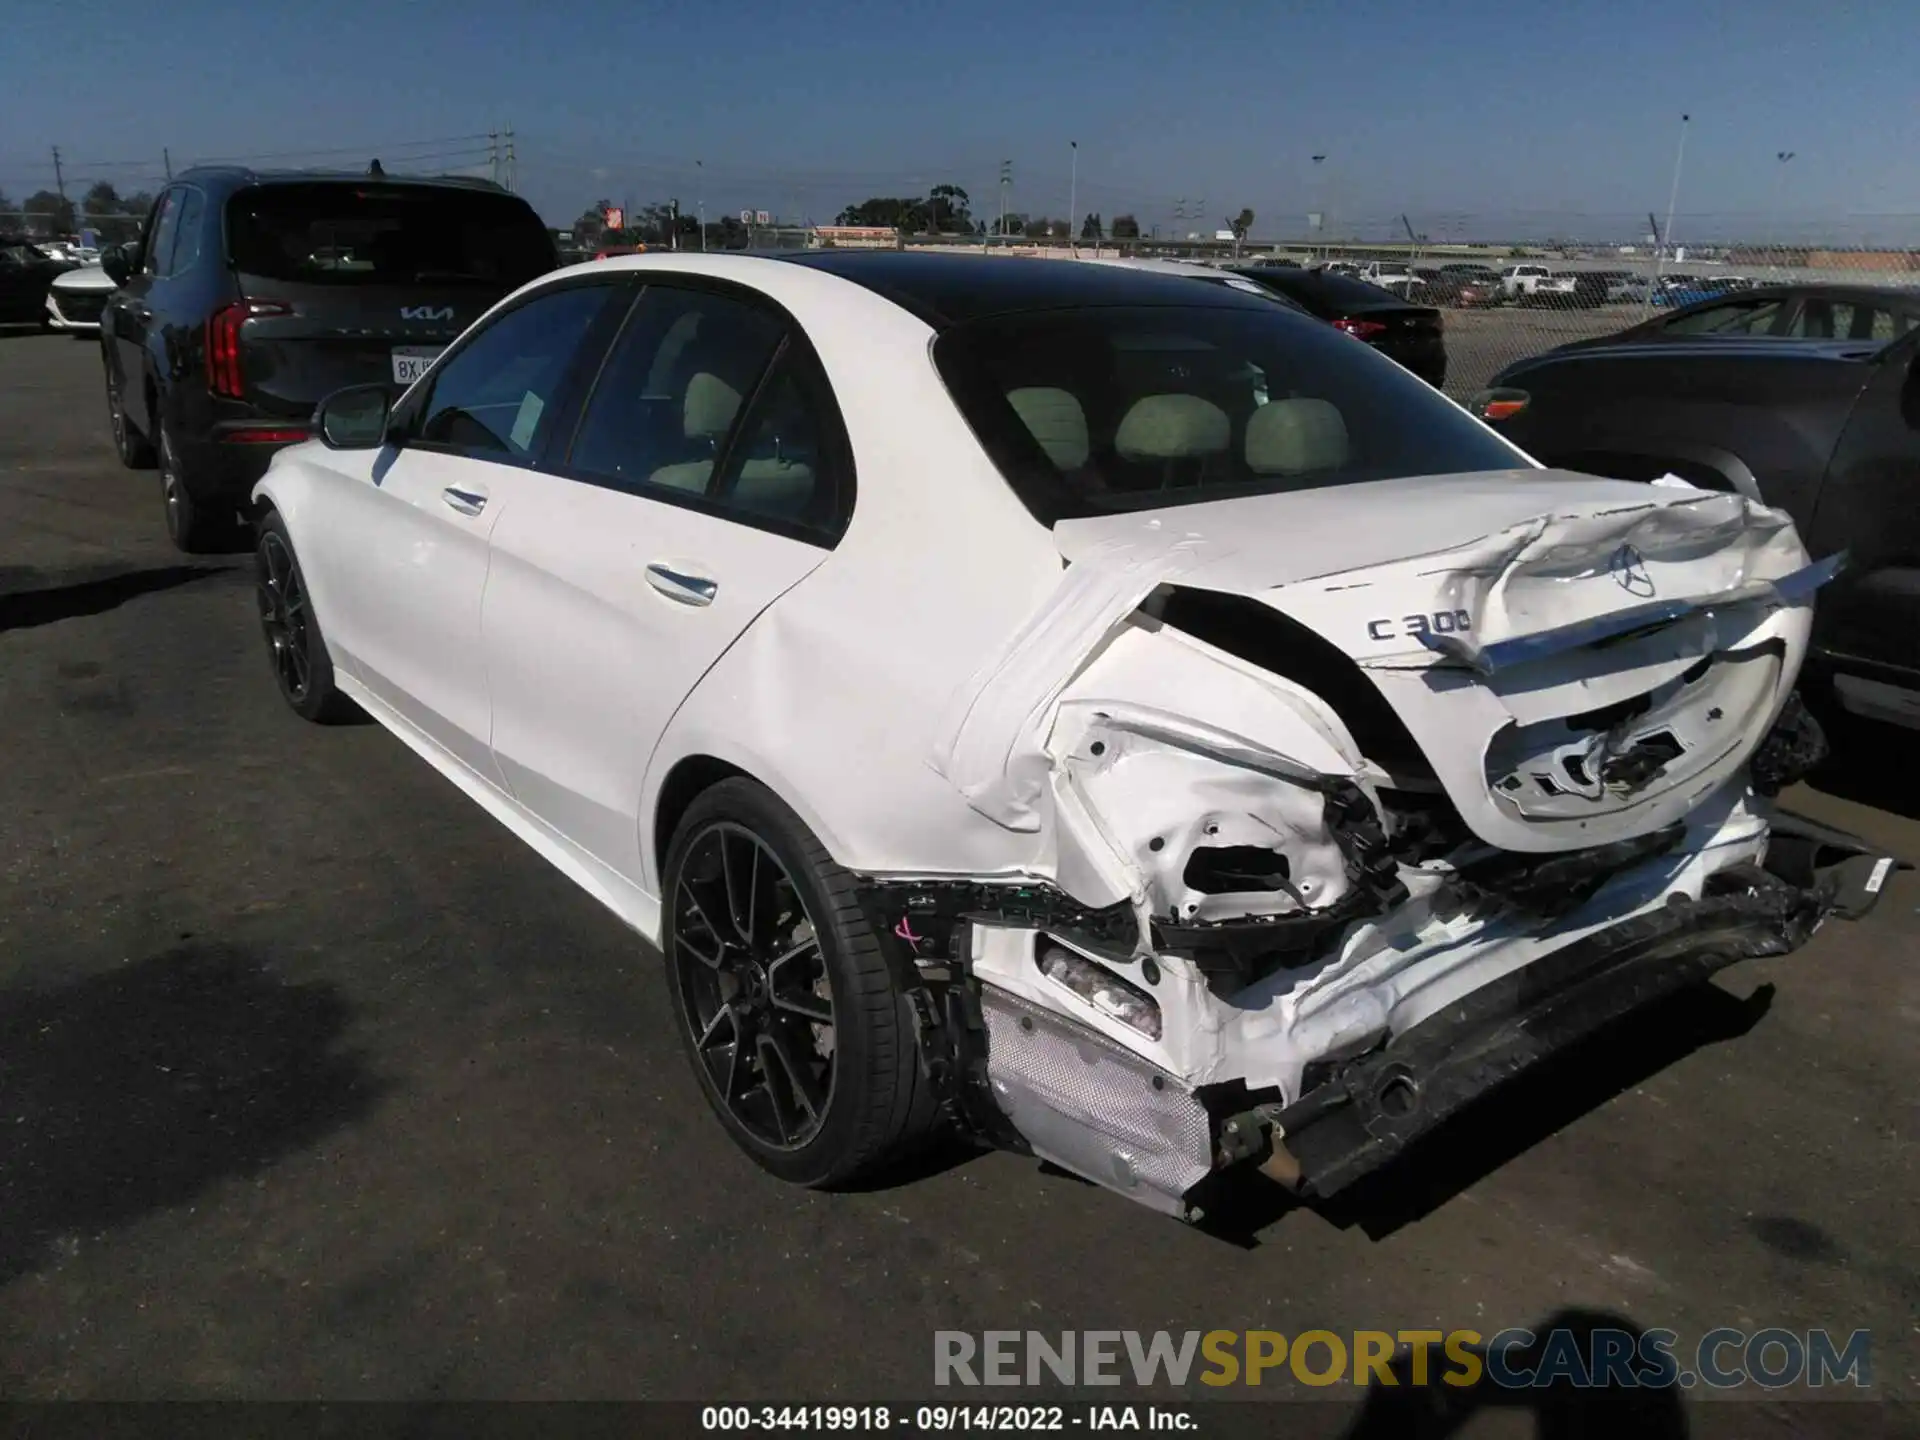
1507,1123
133,1091
1870,764
1563,1407
23,609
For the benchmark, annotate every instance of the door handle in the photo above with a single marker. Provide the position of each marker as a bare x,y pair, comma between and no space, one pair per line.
676,585
467,502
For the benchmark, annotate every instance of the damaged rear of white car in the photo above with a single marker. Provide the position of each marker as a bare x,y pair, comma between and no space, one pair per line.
1350,798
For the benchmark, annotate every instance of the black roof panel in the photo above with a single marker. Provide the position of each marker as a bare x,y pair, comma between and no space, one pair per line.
949,290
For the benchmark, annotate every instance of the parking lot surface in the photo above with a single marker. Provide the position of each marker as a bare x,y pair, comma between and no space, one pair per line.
314,1082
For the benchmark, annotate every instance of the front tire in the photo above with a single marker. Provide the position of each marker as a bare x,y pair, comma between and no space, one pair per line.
296,649
799,1036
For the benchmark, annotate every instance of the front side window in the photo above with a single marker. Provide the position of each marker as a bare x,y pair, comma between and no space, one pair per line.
496,395
1102,410
672,388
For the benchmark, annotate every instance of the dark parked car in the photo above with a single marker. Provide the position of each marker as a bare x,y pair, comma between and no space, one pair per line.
1411,334
1783,312
1463,286
254,295
1827,430
25,273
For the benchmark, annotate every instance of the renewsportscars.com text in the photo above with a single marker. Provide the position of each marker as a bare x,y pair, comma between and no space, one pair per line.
1514,1358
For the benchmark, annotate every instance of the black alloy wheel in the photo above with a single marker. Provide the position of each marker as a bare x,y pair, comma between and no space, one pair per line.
296,648
283,616
791,1010
754,988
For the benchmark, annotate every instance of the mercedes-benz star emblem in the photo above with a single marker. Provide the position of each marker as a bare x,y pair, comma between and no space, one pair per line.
1629,570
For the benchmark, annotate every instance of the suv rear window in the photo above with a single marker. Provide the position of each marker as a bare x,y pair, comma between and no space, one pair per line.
373,234
1093,411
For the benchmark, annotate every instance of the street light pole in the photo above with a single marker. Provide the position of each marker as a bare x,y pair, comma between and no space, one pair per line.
1781,157
700,202
1673,200
1073,199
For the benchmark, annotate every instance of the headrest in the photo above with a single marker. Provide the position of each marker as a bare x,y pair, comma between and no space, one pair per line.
1057,422
710,407
1293,437
1172,427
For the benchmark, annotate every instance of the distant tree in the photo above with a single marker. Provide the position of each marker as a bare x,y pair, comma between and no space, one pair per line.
1124,227
1090,228
907,213
102,200
49,214
949,210
1241,224
591,227
727,233
1009,225
1038,228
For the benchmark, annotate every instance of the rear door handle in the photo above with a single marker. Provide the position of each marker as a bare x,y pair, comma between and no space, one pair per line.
467,502
680,586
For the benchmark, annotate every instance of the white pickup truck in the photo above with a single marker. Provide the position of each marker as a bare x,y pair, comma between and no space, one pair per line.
1524,282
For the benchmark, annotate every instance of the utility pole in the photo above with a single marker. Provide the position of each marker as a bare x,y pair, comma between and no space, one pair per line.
673,234
59,178
493,156
700,201
1006,183
511,177
167,160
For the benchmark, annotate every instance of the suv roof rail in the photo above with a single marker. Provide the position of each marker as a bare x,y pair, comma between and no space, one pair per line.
247,173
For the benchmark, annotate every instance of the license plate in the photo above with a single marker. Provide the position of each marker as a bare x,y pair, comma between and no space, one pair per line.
410,362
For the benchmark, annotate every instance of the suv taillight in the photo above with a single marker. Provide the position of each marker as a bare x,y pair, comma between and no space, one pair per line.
223,343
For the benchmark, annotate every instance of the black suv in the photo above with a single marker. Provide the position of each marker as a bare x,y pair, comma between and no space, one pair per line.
254,295
1827,430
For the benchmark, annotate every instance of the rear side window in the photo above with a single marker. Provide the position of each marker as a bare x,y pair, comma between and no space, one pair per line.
1743,317
672,390
348,234
166,225
1101,410
186,246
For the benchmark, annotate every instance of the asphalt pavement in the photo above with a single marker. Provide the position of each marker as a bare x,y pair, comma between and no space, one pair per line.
316,1083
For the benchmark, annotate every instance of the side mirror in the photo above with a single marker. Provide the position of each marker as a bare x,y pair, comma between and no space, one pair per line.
354,418
117,261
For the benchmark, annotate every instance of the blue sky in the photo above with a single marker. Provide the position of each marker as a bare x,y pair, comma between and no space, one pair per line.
1545,118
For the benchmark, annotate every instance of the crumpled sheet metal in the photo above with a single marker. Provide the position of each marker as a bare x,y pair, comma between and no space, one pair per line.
1536,577
1528,576
992,738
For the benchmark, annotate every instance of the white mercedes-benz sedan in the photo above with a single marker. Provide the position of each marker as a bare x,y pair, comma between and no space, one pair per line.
1111,717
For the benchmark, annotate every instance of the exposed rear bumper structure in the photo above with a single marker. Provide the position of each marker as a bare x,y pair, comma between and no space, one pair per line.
1378,1106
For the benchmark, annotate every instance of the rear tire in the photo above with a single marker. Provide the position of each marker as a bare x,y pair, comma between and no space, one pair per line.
296,649
797,1030
194,527
128,443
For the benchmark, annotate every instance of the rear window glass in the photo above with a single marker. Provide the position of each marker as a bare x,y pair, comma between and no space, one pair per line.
1342,290
346,234
1095,411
